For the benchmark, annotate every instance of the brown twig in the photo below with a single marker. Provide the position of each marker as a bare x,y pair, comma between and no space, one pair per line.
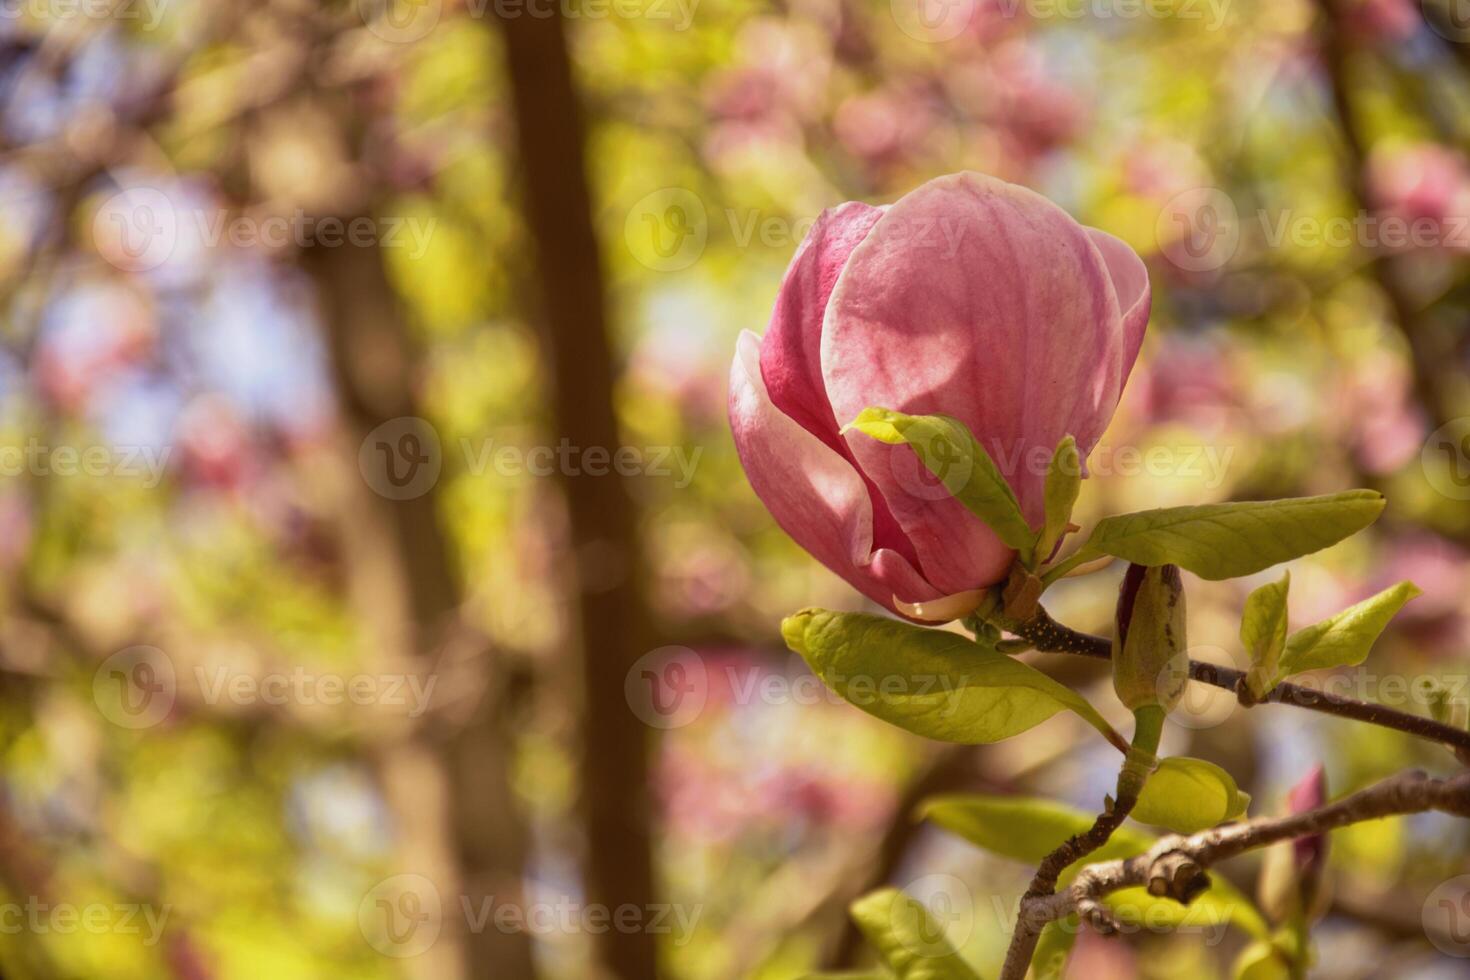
1049,636
1044,883
1176,866
1140,762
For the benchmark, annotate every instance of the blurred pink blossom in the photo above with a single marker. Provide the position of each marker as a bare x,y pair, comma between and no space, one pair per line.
1423,182
1383,21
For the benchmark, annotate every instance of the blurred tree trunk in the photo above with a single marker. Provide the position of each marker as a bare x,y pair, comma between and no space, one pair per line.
448,786
610,617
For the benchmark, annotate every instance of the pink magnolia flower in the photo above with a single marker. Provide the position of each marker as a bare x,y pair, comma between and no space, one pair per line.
969,297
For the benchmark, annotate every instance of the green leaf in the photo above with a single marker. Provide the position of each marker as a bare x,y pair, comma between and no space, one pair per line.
1222,903
1261,961
1063,482
933,683
1345,639
1220,541
1444,707
1263,631
1049,961
1024,828
962,465
908,940
1188,795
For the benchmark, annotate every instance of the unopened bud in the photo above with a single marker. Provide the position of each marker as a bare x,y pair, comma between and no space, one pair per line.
1292,878
1150,645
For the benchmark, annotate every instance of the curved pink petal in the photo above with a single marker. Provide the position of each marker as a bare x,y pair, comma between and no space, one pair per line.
791,363
815,495
979,299
1130,284
791,352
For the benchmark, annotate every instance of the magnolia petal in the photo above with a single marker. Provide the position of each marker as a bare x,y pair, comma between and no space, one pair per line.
981,300
791,363
945,608
815,495
1130,284
791,351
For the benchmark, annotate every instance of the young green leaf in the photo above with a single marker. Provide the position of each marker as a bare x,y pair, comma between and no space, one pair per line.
1189,795
962,465
933,683
1263,631
1024,828
1220,541
908,940
1049,961
1345,639
1063,482
1262,961
1443,706
1220,904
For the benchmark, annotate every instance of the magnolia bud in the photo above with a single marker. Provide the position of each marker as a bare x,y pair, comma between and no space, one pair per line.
1292,879
1150,656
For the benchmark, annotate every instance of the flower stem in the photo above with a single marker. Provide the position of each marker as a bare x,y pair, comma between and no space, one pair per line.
1049,636
1139,763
